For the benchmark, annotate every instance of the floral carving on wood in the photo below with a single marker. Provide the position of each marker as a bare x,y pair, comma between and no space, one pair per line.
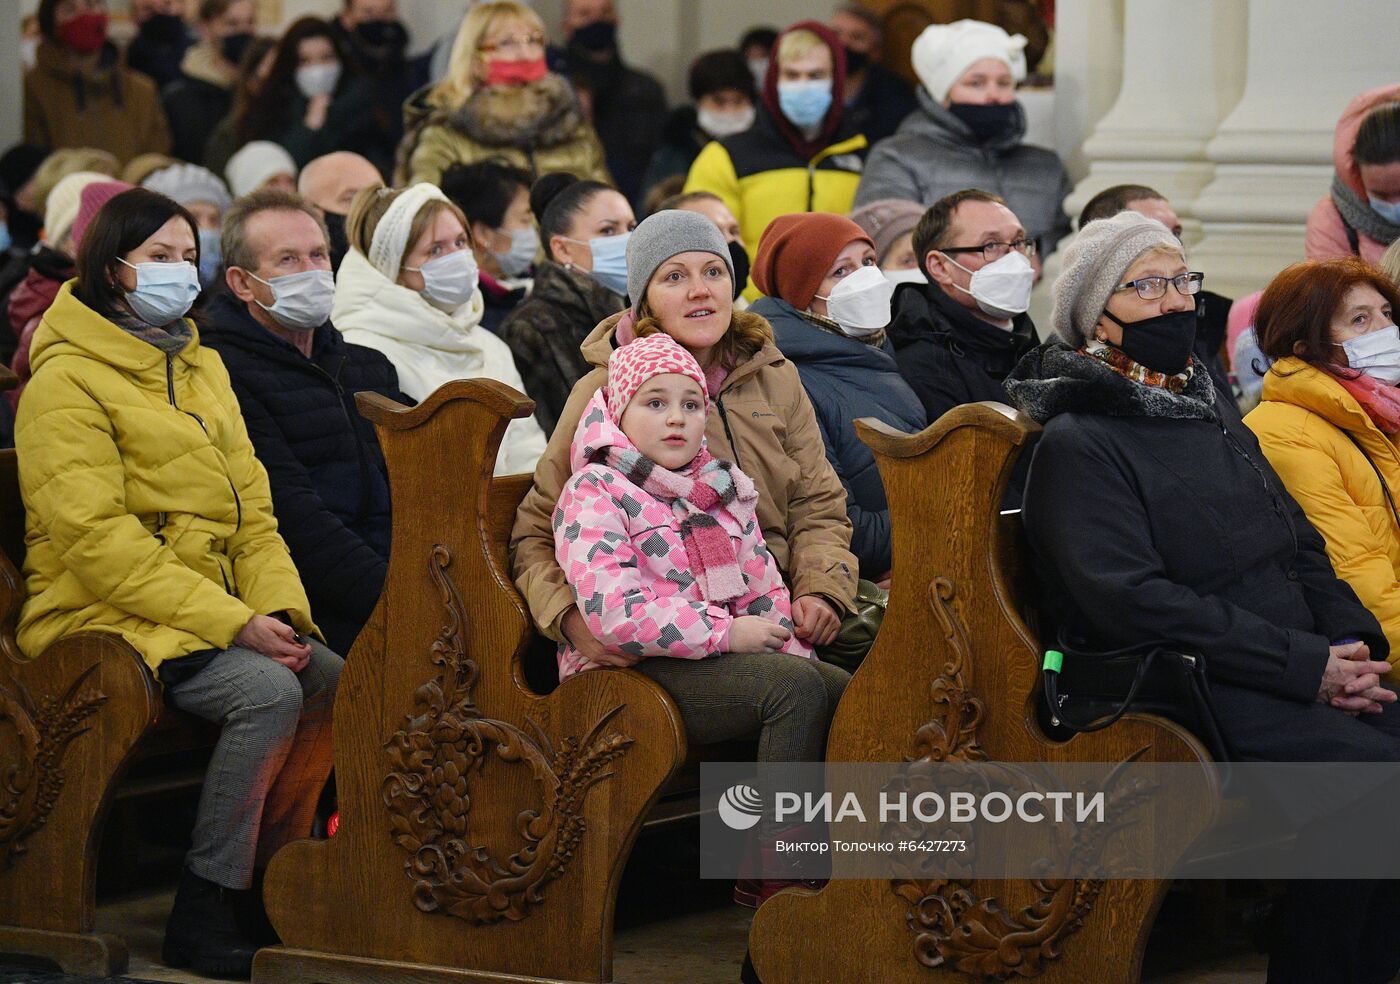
952,732
954,928
31,785
443,747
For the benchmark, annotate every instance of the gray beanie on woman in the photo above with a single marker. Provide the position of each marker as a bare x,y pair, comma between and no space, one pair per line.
1094,263
663,235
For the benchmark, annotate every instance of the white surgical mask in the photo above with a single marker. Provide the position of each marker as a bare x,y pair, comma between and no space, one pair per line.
449,281
1002,288
524,246
163,292
318,80
860,302
725,124
759,68
1377,354
913,275
300,301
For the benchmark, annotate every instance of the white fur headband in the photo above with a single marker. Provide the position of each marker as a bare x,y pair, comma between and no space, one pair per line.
390,240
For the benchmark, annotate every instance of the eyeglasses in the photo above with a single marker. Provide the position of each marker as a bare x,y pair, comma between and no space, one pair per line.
995,251
1151,288
514,46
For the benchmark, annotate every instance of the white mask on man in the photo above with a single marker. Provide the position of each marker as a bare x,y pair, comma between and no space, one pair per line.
860,303
1002,288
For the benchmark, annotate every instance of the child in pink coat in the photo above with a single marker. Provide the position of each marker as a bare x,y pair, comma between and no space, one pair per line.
658,538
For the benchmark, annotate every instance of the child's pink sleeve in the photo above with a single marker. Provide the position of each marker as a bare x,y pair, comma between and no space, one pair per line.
622,609
768,596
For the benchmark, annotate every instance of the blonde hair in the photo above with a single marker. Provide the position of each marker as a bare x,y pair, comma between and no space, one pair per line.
369,206
1390,265
796,44
465,61
69,160
748,332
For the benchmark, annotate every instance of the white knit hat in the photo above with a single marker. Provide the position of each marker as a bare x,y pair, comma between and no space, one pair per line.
61,210
944,51
255,163
189,183
1094,263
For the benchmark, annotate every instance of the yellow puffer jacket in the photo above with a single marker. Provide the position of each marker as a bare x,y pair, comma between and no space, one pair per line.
147,514
1306,424
759,177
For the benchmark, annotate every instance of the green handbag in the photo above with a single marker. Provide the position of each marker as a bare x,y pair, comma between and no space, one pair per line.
858,629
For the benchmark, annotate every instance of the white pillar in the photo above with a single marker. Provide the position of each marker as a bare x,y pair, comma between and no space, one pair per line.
1273,153
1182,73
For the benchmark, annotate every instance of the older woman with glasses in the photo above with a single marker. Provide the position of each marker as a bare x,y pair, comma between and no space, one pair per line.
499,100
1156,520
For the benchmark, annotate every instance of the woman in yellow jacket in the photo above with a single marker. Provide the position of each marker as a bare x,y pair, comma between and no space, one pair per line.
148,517
1330,416
800,155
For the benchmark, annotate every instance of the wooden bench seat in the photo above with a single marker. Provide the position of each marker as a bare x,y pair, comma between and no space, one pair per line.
73,722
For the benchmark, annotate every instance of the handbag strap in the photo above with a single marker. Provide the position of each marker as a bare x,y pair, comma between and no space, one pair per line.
1379,477
1051,674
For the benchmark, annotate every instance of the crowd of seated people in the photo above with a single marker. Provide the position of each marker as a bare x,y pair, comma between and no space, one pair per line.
254,229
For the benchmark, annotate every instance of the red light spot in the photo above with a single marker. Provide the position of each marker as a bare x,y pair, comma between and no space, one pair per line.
333,824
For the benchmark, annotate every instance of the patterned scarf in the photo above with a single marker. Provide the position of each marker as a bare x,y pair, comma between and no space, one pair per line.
1117,360
707,485
170,338
1381,402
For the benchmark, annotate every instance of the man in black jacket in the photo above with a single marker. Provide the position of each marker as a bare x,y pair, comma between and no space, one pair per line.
959,335
296,380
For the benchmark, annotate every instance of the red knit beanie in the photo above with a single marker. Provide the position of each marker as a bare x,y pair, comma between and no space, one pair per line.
90,202
795,252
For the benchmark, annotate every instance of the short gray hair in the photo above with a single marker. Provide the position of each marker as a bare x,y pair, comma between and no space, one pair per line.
233,234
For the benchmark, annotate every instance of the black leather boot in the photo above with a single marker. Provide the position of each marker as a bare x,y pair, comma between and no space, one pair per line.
203,931
252,914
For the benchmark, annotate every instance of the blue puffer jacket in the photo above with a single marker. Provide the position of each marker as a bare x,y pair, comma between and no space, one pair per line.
847,379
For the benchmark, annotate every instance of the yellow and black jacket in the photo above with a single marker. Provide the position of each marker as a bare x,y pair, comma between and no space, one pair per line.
760,176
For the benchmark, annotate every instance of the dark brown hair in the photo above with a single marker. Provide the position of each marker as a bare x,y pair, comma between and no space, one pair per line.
265,114
932,229
1111,201
1299,304
121,226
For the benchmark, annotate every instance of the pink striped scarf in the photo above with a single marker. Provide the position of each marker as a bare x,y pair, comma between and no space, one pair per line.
707,485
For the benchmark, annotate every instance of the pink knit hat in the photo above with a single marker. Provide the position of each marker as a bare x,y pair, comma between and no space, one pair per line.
90,202
634,363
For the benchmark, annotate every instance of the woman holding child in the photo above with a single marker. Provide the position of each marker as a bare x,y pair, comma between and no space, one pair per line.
739,678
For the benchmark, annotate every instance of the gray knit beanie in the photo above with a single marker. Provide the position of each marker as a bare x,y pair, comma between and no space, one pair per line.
1094,263
661,236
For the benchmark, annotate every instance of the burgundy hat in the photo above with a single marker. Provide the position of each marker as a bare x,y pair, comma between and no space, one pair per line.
796,250
90,202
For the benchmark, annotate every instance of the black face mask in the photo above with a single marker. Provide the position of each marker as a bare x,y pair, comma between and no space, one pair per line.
985,122
856,61
384,34
598,36
235,46
740,258
340,245
163,28
1162,344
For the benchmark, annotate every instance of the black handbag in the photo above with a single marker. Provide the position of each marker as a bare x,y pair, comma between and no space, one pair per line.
1087,690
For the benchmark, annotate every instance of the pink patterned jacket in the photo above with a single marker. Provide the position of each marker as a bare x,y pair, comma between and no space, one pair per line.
621,550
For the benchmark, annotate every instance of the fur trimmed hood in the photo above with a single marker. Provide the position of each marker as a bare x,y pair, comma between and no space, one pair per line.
540,114
1055,379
